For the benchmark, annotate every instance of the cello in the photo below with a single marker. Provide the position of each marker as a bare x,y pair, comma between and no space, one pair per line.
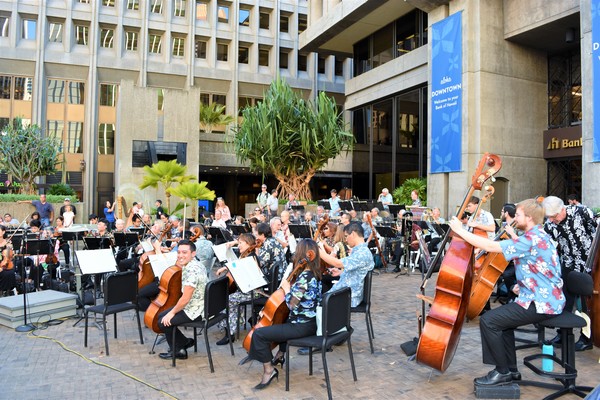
441,331
276,310
146,275
593,302
169,295
492,266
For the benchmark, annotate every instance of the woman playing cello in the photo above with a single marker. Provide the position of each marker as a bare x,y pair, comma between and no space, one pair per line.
302,298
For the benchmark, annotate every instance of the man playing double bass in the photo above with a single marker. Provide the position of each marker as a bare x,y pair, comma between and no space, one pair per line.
540,289
190,306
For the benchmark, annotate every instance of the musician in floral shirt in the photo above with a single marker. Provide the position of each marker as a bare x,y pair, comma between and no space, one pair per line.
271,254
539,282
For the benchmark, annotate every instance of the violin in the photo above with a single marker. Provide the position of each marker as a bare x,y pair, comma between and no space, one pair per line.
196,233
7,258
318,233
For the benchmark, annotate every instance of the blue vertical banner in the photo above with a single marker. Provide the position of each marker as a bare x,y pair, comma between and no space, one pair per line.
446,95
596,76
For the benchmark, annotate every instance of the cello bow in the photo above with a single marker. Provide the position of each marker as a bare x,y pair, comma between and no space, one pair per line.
441,331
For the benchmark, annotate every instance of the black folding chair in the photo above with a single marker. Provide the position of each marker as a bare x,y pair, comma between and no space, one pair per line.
365,307
335,329
216,309
120,294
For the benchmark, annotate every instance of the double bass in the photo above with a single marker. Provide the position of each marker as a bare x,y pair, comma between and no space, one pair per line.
276,310
441,331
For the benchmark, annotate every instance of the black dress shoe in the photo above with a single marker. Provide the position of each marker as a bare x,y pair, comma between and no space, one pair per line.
516,375
190,343
494,378
225,340
397,269
583,344
180,355
556,341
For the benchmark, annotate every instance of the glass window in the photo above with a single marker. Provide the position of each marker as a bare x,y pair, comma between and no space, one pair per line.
179,8
76,92
302,23
408,120
161,100
74,136
55,31
284,23
178,47
362,62
264,19
263,56
302,62
383,45
81,34
84,1
55,129
219,99
382,123
222,50
284,55
200,48
201,10
244,17
108,3
5,82
108,94
243,55
106,37
4,123
131,40
154,43
339,66
106,139
4,24
29,29
223,13
321,64
406,34
56,91
244,102
156,6
204,98
23,88
133,4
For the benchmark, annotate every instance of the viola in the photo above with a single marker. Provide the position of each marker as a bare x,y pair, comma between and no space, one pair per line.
276,310
169,295
441,332
7,258
318,233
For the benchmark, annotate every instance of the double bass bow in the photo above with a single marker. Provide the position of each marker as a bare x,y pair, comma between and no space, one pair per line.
441,331
377,242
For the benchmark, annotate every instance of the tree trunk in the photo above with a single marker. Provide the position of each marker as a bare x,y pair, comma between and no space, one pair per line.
296,184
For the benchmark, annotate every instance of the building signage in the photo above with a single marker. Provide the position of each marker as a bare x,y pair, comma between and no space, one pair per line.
446,95
596,76
563,142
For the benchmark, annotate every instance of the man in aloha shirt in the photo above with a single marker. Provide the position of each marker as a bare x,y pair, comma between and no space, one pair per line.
190,306
352,269
540,294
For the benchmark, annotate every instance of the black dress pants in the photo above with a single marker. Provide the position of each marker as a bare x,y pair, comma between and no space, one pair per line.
260,347
178,319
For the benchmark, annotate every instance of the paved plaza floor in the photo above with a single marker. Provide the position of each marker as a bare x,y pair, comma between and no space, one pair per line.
52,363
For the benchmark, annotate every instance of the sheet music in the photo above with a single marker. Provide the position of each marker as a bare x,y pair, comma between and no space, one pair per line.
287,272
246,273
146,245
224,253
161,262
96,261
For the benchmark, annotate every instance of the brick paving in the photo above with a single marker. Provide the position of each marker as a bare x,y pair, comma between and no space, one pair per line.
35,368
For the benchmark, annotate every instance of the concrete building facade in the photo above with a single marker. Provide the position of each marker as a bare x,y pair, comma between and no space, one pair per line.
526,82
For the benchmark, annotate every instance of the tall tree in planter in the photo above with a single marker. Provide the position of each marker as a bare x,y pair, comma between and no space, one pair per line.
26,153
290,138
212,115
166,173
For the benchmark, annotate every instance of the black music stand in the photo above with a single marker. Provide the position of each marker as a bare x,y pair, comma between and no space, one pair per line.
300,231
74,237
394,209
219,235
31,247
324,203
239,229
95,243
298,208
361,206
346,205
139,231
126,239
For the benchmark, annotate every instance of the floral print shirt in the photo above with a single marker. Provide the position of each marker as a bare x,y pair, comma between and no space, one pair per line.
573,236
538,270
356,266
271,255
194,275
307,291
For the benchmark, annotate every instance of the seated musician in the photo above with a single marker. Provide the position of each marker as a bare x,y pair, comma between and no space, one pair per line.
136,222
540,294
62,244
219,222
302,298
8,279
345,219
308,220
436,216
271,254
190,306
204,249
484,220
9,221
246,245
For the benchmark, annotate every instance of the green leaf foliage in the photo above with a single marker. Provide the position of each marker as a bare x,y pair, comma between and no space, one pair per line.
401,194
26,153
166,173
61,189
11,198
213,114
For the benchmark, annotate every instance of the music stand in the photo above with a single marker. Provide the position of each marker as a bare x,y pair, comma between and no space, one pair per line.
126,239
395,209
346,205
219,235
73,235
95,243
31,247
239,229
300,231
139,231
324,203
298,208
361,206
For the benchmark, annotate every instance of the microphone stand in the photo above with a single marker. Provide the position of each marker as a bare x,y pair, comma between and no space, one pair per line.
25,327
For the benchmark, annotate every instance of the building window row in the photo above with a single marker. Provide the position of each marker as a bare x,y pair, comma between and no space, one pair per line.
392,41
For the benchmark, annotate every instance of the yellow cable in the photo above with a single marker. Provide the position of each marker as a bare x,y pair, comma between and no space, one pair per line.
32,335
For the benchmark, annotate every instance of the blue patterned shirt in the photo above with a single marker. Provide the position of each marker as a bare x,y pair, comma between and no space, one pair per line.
538,270
356,266
306,289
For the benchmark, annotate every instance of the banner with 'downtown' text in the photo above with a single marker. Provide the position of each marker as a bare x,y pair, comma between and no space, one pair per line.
446,95
596,76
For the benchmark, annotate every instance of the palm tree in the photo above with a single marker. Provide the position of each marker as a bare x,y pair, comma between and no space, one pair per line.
290,138
167,173
213,114
193,191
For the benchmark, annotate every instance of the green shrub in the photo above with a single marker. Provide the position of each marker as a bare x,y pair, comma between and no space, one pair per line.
61,189
10,198
401,194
